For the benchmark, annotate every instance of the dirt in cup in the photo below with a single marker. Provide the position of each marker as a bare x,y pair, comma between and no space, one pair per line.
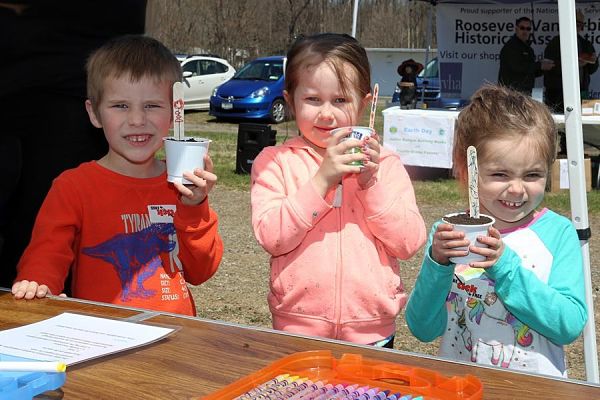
187,139
466,219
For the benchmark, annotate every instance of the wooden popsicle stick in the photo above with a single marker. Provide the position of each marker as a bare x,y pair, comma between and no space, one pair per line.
374,105
178,114
473,173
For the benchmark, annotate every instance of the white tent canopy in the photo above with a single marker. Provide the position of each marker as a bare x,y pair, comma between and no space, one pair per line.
575,154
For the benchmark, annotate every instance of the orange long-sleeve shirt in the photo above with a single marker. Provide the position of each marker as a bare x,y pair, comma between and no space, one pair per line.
126,240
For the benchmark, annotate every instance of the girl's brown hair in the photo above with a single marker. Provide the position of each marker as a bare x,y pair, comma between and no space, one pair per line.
499,112
336,49
136,55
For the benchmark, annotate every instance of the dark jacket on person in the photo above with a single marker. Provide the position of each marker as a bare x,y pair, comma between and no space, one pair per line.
553,77
518,68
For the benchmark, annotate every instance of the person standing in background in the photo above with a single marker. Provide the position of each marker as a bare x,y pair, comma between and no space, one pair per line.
588,64
45,127
518,68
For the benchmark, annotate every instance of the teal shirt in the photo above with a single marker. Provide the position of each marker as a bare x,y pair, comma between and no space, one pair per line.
516,314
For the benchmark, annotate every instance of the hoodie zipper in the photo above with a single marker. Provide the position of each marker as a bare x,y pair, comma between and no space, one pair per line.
338,276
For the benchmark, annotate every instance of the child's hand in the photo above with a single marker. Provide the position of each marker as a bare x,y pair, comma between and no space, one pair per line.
29,289
335,161
491,253
368,175
203,181
444,244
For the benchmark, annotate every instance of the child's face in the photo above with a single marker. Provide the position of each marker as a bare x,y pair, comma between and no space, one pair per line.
135,116
320,105
511,182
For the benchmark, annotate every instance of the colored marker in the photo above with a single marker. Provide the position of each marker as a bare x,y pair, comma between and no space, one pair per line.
329,394
358,392
343,394
280,387
33,366
368,394
319,392
262,387
294,390
308,391
394,396
381,395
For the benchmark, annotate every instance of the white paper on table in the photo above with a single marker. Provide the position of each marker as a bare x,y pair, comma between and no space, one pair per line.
73,338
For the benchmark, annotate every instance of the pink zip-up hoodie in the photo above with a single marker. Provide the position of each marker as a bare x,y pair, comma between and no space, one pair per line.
334,270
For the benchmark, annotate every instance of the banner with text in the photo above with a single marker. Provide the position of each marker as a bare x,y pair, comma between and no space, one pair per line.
470,38
421,137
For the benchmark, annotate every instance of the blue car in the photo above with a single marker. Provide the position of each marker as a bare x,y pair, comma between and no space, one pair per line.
254,92
428,80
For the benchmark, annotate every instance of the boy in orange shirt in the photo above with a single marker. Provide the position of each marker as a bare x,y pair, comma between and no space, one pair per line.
127,235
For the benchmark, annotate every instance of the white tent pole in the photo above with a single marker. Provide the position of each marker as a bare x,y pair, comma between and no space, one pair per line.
354,18
428,48
578,197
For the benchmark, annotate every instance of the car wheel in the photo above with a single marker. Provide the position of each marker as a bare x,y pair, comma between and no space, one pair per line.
278,111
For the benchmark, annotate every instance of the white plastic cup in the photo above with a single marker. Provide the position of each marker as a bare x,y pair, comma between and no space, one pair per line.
184,156
471,233
359,133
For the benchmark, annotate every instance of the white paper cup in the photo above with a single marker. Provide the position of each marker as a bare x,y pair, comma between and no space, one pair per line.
359,133
471,233
184,156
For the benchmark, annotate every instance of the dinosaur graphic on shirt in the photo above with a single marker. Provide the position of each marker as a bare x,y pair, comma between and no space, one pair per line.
136,256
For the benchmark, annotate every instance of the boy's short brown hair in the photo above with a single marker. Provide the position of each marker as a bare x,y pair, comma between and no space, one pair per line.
136,55
497,112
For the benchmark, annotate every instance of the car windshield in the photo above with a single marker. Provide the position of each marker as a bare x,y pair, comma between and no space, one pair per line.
431,70
261,70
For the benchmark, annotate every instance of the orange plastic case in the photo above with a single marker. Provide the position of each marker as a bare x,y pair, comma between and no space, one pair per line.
354,369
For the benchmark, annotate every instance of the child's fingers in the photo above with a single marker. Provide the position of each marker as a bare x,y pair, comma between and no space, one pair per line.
184,190
341,134
346,145
373,143
206,175
447,232
42,291
489,241
372,155
446,227
19,289
25,289
208,163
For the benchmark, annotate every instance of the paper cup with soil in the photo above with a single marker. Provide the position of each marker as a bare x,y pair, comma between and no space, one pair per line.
184,156
182,153
359,133
473,224
472,227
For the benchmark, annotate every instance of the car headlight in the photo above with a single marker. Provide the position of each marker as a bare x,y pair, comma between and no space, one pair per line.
262,92
214,93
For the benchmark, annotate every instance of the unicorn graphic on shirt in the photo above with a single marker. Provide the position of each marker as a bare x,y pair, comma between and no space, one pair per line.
498,337
497,331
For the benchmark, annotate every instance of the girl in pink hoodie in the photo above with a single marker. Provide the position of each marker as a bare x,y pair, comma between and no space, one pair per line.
335,231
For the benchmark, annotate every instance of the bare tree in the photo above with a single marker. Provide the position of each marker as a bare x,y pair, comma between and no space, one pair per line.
242,30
